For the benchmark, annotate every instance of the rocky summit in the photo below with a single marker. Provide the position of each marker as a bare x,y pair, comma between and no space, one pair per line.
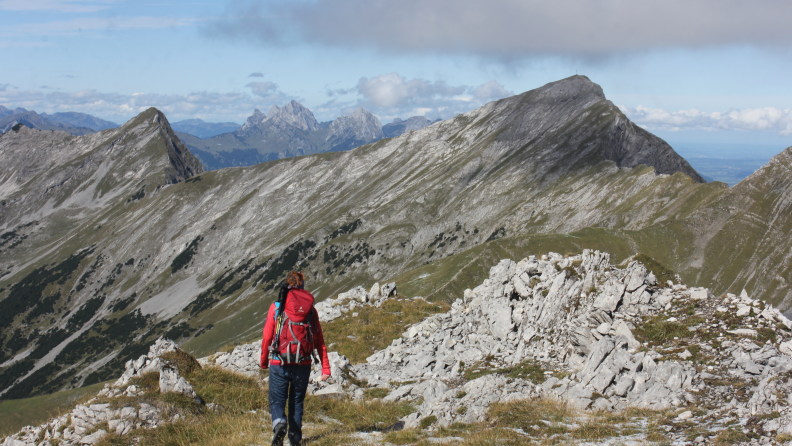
111,240
675,364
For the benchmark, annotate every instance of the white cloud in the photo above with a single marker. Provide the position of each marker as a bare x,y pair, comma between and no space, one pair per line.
490,90
210,106
264,88
770,119
392,95
268,92
508,29
390,90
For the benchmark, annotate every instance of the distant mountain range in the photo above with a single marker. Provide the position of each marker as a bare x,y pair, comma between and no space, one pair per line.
69,122
292,130
399,126
203,129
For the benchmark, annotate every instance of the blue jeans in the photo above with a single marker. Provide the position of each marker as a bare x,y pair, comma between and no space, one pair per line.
288,382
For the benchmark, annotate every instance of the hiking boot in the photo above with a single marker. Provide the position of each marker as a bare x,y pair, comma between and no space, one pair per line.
278,432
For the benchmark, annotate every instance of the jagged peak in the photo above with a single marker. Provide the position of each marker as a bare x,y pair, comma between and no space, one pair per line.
182,163
361,115
359,122
782,160
579,107
293,114
578,87
360,112
255,119
152,115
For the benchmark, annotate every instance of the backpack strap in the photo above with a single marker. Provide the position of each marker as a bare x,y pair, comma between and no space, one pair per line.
314,316
280,307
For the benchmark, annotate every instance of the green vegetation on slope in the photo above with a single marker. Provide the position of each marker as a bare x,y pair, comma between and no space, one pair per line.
14,414
447,278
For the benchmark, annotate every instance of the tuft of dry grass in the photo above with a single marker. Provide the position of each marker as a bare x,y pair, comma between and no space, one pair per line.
215,430
185,363
730,436
376,392
541,417
407,436
658,330
147,382
498,436
529,370
356,415
232,391
594,430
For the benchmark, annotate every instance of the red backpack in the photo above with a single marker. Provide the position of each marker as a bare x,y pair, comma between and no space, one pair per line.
294,331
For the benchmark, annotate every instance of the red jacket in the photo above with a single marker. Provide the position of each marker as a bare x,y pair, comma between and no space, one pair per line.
298,303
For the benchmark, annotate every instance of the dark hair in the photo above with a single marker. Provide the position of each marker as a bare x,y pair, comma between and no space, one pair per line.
295,279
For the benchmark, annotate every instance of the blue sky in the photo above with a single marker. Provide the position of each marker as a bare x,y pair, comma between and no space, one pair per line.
712,71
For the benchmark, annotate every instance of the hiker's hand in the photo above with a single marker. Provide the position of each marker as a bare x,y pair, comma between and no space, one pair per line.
324,377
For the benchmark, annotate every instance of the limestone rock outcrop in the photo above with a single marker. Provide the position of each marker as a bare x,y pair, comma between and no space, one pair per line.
587,326
86,423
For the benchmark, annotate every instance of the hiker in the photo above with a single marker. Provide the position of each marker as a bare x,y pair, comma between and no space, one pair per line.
291,337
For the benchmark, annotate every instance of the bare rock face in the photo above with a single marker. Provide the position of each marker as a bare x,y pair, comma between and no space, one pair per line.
358,128
577,108
171,381
292,114
255,119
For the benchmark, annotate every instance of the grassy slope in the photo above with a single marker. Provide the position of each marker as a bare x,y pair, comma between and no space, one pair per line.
446,279
14,414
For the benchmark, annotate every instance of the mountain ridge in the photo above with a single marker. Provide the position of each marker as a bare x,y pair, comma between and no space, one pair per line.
209,247
70,122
